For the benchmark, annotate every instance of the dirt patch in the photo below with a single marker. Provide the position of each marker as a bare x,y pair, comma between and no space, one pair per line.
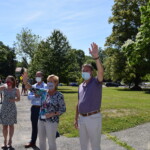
118,112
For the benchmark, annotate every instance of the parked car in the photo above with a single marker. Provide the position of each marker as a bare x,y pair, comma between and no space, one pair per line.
73,84
112,84
60,84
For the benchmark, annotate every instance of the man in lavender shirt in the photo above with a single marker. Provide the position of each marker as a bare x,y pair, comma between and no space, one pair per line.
88,117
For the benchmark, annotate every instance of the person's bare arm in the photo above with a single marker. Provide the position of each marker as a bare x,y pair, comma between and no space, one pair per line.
48,115
25,81
2,87
76,117
94,52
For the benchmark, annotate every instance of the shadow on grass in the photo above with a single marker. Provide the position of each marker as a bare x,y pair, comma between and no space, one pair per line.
68,92
147,91
123,89
62,89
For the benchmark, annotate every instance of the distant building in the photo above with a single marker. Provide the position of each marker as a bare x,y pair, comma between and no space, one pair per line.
19,71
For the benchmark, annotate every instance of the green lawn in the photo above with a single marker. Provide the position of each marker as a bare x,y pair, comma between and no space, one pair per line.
120,109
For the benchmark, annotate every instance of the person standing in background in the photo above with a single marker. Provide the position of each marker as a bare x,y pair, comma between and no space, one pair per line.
52,107
35,108
17,83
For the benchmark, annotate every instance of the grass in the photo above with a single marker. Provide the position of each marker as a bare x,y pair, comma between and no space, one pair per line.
121,109
117,141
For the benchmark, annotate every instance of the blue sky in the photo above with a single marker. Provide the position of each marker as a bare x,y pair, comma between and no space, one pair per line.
82,21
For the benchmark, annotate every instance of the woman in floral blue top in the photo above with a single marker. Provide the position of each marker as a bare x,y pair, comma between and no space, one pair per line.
53,106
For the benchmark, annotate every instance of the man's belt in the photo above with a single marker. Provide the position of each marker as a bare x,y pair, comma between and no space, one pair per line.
90,113
36,106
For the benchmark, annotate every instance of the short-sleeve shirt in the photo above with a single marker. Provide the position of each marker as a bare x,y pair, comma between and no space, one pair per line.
51,104
90,95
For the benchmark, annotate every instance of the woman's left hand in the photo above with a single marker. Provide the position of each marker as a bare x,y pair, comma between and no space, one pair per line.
48,115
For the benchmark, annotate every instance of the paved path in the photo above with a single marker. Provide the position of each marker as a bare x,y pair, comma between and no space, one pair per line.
138,137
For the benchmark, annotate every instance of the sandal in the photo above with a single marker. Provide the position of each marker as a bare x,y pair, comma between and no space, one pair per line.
5,145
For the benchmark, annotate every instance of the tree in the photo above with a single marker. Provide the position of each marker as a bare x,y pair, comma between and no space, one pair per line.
22,63
138,51
102,54
7,60
27,44
142,42
54,56
74,67
112,67
126,21
41,60
80,57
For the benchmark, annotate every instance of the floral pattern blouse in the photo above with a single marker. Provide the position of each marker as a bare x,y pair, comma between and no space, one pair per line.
52,104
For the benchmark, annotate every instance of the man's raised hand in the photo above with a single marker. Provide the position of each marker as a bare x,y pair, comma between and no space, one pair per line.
94,50
25,77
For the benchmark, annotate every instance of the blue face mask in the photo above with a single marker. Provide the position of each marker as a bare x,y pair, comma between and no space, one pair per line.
86,75
50,85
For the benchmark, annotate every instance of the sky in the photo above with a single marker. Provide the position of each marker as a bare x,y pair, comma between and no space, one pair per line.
81,21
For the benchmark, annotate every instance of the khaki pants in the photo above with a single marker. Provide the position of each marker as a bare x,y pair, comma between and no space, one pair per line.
90,131
47,129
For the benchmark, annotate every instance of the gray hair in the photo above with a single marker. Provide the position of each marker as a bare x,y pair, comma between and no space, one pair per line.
40,73
88,65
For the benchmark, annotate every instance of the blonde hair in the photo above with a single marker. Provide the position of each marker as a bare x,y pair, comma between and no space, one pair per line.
54,77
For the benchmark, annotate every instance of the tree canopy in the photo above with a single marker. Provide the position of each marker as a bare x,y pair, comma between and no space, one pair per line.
55,56
126,21
26,44
138,51
7,60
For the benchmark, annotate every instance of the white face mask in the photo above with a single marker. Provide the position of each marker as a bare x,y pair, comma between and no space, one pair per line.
50,85
38,79
86,75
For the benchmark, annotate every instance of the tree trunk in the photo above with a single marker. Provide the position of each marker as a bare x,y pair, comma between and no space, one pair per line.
136,86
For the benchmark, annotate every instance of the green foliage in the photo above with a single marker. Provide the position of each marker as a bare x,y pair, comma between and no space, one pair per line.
138,52
147,77
23,63
126,20
120,64
102,54
113,69
55,56
80,57
142,42
27,43
7,60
